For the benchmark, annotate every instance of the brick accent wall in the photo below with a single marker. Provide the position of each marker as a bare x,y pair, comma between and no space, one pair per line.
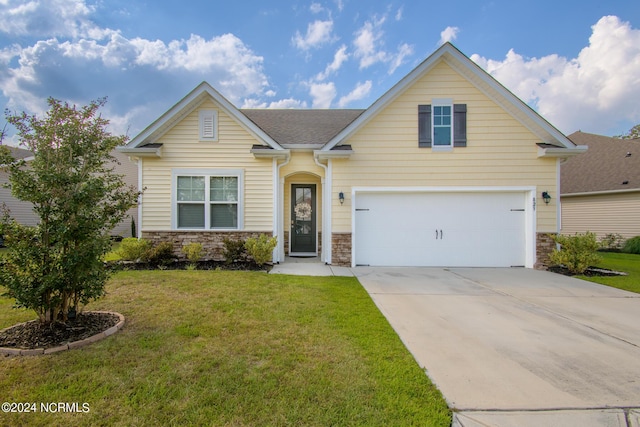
212,241
544,246
341,249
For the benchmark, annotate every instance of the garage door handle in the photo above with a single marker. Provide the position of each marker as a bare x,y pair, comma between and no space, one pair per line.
437,234
440,234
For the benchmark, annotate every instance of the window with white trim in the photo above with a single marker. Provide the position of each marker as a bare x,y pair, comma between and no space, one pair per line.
208,124
442,135
207,200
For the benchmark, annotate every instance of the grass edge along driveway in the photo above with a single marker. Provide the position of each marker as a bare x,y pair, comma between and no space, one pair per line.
629,263
229,348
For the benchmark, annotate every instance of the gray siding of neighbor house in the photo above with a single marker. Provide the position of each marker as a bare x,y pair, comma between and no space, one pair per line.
613,213
23,213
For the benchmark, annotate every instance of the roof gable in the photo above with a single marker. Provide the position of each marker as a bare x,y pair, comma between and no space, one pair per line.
148,138
605,167
481,80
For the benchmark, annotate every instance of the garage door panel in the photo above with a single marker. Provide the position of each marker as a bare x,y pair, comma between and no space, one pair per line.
440,229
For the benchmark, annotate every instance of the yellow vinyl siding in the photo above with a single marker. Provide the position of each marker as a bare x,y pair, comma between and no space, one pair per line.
500,151
182,150
602,214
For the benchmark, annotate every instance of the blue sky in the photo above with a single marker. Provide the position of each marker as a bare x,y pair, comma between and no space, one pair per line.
575,62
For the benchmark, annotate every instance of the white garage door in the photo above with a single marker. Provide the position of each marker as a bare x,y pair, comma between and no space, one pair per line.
464,229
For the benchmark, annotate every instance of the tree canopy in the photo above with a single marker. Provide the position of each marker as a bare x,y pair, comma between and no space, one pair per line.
633,133
57,265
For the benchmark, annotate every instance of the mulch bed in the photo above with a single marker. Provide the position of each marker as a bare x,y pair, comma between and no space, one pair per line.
590,272
33,334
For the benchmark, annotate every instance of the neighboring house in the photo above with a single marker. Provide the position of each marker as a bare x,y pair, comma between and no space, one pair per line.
19,210
446,169
600,190
23,211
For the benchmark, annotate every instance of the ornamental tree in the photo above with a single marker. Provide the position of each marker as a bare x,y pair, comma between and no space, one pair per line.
57,266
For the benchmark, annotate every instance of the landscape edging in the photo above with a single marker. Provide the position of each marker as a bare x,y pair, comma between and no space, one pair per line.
9,351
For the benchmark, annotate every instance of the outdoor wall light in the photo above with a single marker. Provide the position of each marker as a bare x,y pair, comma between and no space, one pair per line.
546,197
341,197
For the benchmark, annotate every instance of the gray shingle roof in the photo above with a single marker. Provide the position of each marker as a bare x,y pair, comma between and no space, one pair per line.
606,166
19,153
309,128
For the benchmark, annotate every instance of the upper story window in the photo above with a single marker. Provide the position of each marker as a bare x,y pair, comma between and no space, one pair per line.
208,123
442,124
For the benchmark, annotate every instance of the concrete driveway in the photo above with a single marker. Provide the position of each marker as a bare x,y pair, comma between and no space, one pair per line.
507,343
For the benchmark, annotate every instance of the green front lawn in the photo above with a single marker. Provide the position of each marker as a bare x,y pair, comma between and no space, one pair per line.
629,263
229,348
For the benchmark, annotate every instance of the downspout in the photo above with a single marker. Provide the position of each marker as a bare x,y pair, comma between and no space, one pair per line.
326,210
139,227
278,218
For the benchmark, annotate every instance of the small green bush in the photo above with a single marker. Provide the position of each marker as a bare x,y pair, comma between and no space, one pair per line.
612,242
577,252
234,251
261,249
161,254
632,245
193,251
132,249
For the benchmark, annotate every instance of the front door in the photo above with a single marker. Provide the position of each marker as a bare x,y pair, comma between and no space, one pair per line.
303,219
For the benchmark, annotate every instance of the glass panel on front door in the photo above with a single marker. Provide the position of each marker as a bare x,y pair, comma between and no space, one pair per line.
303,218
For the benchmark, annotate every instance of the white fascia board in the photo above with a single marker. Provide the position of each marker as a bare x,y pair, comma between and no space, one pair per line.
333,154
141,152
561,153
600,193
268,153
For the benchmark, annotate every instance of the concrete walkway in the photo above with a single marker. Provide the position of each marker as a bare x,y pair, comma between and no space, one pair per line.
309,267
517,347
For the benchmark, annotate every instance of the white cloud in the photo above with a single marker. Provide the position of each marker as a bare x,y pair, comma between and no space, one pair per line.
62,18
316,8
360,91
399,13
449,34
367,43
398,59
339,58
132,72
322,94
318,33
600,88
369,46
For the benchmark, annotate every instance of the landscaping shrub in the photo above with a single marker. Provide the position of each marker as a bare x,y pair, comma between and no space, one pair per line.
161,254
234,251
632,246
612,242
261,249
577,252
193,251
132,249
